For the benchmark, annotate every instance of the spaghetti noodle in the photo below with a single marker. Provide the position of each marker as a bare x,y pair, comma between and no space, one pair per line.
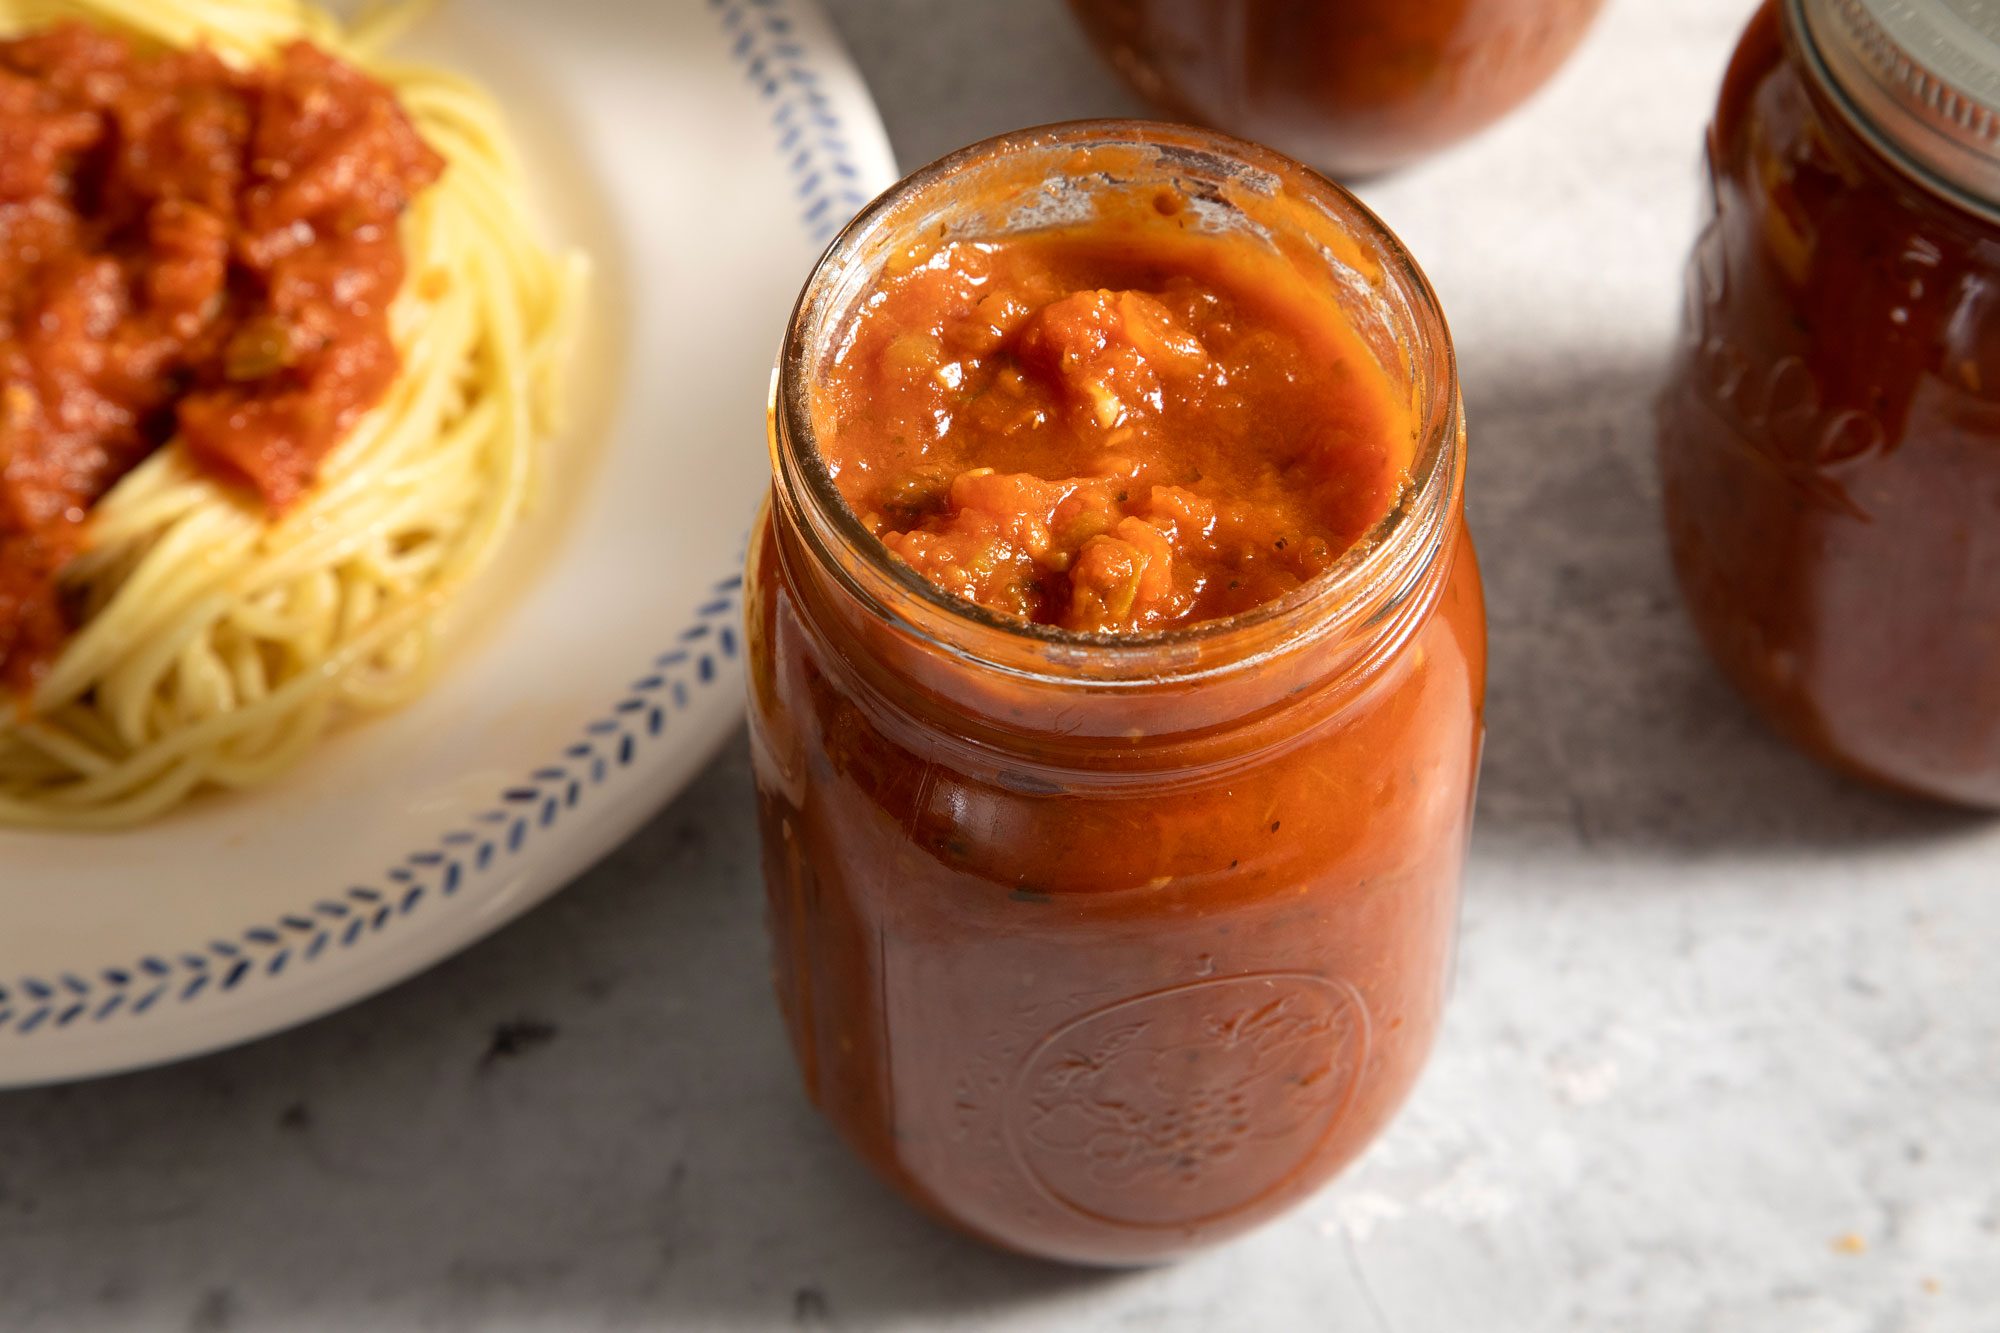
216,639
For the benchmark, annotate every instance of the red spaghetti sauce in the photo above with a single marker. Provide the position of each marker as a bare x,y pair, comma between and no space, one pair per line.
1106,949
1829,439
187,250
1351,86
1110,430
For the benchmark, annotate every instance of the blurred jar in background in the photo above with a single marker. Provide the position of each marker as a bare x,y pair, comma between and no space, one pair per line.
1350,86
1830,436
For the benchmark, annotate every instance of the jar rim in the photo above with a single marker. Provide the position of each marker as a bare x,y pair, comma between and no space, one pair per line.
1916,83
1379,562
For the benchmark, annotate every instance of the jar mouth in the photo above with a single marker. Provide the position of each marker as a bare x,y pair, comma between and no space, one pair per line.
1395,551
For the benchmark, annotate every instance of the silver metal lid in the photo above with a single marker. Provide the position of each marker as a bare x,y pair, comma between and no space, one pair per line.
1920,79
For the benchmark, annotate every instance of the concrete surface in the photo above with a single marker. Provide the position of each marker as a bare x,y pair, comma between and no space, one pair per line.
1725,1052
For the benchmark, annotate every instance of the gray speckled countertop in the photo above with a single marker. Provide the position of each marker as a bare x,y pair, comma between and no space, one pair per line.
1725,1051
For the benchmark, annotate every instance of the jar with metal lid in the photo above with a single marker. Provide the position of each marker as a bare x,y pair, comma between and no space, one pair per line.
1350,86
1829,440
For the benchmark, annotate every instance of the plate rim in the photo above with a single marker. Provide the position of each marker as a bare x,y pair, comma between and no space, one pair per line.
825,132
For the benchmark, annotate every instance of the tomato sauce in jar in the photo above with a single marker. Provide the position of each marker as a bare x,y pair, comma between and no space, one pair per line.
1830,436
1112,905
1351,86
1111,427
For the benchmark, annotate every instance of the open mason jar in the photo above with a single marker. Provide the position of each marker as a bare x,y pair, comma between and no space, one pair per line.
1351,86
1102,947
1830,435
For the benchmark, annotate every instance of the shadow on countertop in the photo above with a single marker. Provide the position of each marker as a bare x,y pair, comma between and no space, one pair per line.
1608,728
590,1121
939,86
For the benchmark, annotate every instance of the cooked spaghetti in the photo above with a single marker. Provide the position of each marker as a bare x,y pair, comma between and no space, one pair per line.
312,341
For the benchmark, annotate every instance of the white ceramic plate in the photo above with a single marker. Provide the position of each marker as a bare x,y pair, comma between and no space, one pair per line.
703,151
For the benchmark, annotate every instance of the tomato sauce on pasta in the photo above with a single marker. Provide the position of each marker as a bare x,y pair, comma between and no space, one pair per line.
187,250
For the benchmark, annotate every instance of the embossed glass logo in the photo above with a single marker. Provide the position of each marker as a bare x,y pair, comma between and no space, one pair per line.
1770,398
1189,1103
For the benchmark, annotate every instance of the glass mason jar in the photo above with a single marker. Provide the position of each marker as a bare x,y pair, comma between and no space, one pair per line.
1351,86
1829,439
1100,947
